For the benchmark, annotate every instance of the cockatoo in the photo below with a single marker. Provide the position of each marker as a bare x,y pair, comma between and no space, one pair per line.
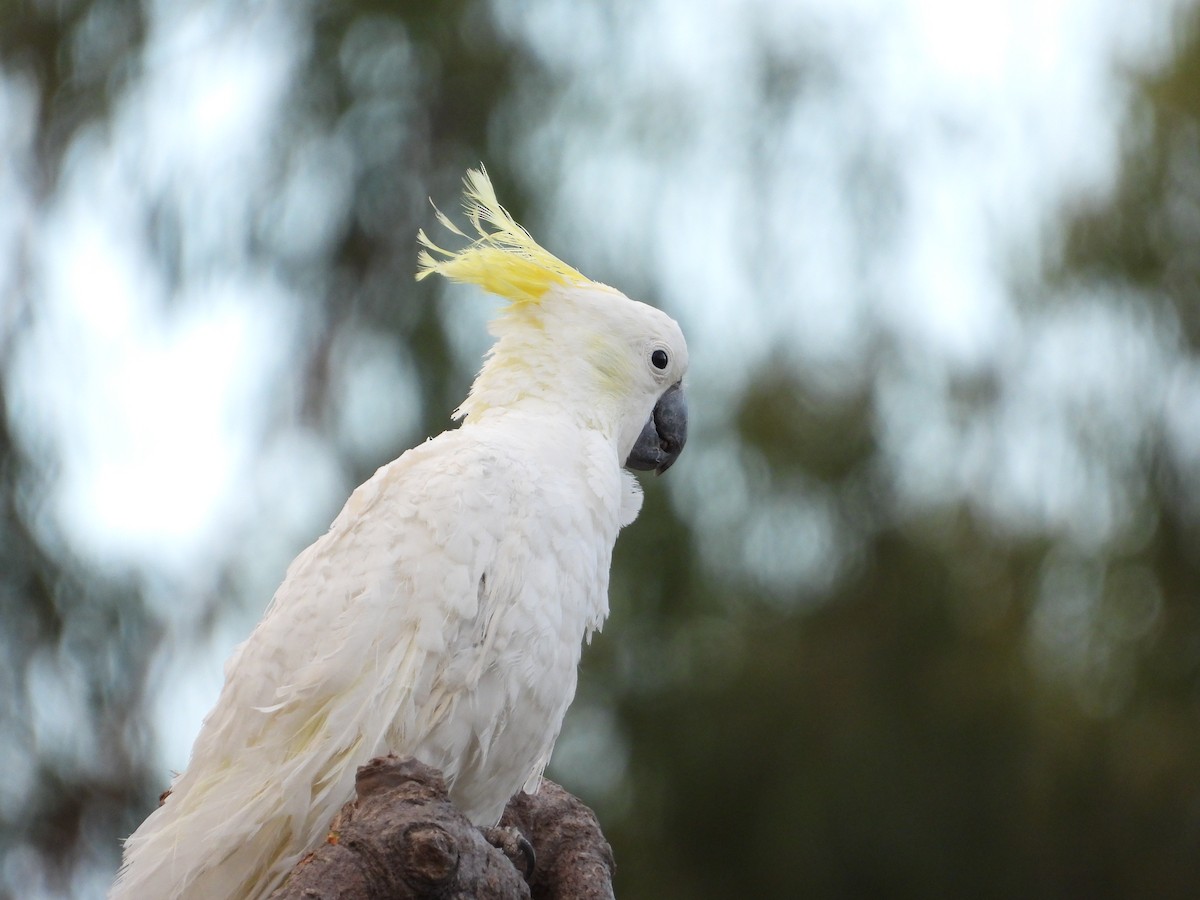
442,615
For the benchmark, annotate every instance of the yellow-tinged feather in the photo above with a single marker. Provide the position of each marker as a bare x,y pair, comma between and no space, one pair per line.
611,365
504,259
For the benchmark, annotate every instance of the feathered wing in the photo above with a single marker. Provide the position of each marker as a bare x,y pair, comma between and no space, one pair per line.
442,614
362,651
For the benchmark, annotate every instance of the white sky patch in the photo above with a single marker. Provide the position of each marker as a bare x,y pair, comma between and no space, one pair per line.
1182,415
378,406
18,115
1085,390
188,685
147,364
593,753
465,312
214,76
152,404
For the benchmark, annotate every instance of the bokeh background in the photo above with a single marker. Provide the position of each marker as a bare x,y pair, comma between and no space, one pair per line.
918,612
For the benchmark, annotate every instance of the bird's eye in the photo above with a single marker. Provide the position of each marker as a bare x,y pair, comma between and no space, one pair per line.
659,358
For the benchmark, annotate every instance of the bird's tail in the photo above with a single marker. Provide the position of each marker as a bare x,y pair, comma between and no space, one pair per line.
232,834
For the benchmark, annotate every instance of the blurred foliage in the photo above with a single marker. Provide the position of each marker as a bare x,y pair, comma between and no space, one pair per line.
62,801
901,740
66,810
898,738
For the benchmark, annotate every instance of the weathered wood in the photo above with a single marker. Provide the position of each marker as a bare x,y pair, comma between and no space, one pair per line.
572,859
402,839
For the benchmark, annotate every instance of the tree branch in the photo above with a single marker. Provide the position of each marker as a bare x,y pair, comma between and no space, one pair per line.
401,838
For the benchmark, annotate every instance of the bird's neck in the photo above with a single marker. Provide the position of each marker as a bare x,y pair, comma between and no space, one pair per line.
510,383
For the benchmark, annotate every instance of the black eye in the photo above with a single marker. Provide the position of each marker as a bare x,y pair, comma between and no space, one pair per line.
659,358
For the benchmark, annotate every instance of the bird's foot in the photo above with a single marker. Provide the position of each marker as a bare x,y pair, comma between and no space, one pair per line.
514,845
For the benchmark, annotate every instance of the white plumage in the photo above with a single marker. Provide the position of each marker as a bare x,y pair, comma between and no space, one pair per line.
442,614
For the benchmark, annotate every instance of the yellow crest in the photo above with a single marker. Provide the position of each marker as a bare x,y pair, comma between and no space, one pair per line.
504,259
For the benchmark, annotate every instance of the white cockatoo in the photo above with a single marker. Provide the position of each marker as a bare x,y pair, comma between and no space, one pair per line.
442,614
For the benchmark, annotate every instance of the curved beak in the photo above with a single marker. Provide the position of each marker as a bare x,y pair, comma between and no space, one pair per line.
665,433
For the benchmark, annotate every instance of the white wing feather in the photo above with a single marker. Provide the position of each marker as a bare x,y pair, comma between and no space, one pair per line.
440,616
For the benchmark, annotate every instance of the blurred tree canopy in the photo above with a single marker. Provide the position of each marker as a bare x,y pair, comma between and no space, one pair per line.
957,710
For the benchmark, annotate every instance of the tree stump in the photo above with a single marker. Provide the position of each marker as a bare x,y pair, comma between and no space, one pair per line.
402,839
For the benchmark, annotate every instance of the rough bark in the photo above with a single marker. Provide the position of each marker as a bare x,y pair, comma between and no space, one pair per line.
572,859
402,839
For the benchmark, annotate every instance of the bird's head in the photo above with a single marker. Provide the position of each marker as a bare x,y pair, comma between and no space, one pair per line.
565,342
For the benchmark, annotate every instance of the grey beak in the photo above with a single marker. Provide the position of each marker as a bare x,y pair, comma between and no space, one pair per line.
662,440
